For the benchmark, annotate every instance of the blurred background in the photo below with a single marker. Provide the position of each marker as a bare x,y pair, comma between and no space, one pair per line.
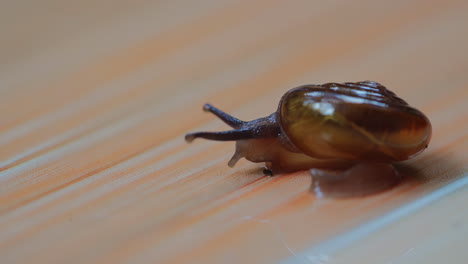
97,95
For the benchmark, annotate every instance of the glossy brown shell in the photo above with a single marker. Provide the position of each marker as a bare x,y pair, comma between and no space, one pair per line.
355,121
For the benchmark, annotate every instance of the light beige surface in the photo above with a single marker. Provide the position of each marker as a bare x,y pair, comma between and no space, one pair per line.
97,95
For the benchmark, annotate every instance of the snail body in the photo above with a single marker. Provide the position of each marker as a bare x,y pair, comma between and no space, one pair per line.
332,125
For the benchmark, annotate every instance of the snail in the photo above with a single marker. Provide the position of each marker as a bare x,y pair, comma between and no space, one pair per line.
349,126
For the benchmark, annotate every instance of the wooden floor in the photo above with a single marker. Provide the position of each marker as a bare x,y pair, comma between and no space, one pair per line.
97,95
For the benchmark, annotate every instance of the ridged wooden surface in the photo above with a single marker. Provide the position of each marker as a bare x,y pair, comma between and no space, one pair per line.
97,95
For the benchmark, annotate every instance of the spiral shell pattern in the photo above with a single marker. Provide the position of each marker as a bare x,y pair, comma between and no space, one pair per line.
354,121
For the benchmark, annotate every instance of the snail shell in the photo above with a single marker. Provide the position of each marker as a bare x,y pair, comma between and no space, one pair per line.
353,121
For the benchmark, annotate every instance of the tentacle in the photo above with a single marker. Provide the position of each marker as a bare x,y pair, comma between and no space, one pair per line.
230,135
226,118
235,158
